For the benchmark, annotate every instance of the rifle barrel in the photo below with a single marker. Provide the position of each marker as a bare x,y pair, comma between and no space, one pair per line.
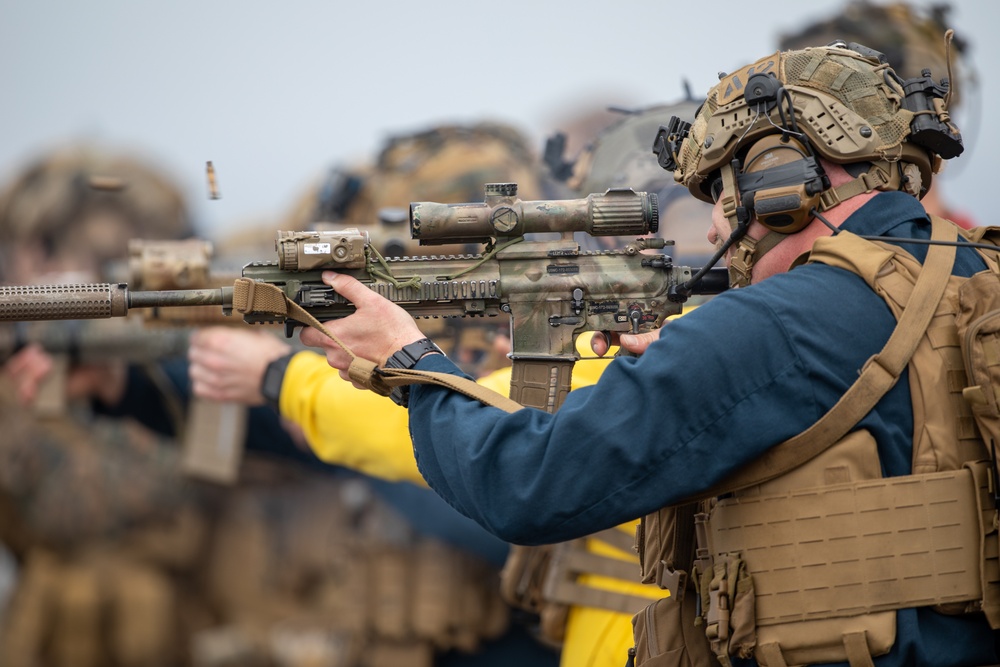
24,303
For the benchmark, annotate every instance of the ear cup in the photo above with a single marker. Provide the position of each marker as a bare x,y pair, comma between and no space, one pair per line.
781,182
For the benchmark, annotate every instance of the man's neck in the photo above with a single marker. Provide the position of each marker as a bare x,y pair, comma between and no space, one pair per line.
782,257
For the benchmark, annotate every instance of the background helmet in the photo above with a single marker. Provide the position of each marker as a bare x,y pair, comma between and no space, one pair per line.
619,156
88,202
447,163
911,38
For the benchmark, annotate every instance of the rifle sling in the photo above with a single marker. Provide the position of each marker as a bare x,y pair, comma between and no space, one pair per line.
252,296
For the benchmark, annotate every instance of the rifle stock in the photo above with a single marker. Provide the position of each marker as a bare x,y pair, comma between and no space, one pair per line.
550,290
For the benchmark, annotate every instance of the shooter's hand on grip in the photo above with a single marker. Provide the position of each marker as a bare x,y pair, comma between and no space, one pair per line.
228,364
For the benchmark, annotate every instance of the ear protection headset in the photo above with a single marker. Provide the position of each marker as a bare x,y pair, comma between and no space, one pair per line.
781,183
781,179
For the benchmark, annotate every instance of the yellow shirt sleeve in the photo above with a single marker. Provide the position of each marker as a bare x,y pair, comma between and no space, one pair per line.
367,432
346,426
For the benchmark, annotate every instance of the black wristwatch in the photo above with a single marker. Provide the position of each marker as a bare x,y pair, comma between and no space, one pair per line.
274,375
406,359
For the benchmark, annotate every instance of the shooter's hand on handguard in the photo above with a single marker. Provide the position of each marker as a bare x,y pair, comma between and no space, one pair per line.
377,330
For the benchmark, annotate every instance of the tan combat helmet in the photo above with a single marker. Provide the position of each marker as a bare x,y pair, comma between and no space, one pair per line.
83,204
447,163
619,156
756,141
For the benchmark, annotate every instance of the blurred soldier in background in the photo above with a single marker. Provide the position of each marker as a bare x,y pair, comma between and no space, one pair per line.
621,156
912,39
105,531
369,571
592,624
297,566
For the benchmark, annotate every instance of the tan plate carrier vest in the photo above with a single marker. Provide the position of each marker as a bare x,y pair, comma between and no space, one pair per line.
810,554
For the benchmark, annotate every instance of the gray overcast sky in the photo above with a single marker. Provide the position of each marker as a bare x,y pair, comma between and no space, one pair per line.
274,93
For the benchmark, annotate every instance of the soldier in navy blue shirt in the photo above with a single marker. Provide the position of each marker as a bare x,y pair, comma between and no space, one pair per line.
801,152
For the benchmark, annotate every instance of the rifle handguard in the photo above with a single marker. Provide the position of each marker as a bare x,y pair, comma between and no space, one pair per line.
252,296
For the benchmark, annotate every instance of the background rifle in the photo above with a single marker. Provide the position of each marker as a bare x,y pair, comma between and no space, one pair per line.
213,432
550,290
72,342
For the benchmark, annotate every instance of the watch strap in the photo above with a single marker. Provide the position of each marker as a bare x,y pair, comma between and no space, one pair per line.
274,376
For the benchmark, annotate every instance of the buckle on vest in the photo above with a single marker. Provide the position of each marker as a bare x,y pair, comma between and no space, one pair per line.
674,581
717,619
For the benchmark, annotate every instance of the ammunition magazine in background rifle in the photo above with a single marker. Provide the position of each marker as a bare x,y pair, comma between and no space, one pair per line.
213,433
550,291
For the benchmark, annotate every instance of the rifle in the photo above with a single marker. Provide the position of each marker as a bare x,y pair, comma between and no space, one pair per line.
550,290
72,342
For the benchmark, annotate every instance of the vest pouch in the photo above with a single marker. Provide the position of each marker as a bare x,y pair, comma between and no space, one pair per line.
666,635
978,322
523,575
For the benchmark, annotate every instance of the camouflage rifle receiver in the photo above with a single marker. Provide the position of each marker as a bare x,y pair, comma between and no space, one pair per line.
551,290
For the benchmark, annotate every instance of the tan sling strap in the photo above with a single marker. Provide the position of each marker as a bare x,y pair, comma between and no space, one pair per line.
877,376
251,296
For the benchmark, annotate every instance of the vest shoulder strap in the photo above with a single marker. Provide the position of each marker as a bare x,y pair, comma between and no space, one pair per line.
879,373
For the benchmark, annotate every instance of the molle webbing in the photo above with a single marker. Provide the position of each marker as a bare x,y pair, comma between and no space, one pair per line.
859,547
572,559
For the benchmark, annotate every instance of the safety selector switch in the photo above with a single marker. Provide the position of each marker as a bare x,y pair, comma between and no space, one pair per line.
635,318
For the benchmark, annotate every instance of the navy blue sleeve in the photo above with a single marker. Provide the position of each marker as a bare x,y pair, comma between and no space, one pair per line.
147,399
721,385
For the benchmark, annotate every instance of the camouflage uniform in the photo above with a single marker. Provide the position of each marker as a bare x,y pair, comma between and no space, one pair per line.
107,534
310,568
105,530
